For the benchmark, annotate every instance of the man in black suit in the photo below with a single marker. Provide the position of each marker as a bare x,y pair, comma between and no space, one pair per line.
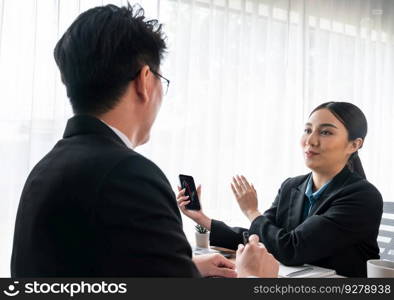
92,206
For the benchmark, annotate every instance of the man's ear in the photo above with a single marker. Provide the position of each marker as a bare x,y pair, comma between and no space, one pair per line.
142,83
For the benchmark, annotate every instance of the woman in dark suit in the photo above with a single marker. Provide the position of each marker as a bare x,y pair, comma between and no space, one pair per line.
329,217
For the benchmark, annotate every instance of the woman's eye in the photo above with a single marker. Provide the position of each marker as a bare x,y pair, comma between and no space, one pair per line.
325,132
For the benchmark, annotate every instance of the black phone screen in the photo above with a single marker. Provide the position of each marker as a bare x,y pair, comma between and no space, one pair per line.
187,183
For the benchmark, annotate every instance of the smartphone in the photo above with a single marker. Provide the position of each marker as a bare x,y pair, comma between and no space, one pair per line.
187,183
245,236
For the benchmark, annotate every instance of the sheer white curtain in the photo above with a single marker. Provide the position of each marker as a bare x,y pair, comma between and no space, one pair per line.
244,76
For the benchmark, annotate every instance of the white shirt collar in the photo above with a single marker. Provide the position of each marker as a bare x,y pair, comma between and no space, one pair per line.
121,135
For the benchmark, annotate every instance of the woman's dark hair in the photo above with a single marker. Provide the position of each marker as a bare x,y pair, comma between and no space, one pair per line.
102,51
356,124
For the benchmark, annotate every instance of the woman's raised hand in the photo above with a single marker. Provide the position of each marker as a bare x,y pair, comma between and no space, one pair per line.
246,196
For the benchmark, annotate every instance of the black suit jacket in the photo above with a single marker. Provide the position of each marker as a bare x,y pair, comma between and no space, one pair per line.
93,207
340,232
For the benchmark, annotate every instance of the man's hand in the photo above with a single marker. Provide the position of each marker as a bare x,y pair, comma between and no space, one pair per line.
253,259
246,196
215,265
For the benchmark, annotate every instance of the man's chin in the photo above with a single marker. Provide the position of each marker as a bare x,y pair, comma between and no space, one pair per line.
145,140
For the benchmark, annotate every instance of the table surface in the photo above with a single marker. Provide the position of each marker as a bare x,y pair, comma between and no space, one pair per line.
232,258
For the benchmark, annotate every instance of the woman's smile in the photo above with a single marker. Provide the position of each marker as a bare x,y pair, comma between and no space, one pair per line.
310,154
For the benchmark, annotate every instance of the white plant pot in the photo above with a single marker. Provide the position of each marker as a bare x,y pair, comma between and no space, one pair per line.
202,240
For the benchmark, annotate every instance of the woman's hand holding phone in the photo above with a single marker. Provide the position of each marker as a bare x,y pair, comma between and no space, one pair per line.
196,215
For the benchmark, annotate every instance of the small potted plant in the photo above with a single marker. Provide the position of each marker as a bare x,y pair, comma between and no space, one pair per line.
202,237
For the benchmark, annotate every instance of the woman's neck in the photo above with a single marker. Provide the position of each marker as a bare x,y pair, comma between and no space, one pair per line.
320,178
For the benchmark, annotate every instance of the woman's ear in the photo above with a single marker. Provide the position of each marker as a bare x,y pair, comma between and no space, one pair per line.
142,83
357,144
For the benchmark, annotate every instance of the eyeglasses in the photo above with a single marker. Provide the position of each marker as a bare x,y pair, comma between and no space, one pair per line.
164,81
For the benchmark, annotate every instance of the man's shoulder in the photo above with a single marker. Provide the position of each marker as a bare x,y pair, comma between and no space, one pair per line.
137,178
136,170
87,162
134,162
93,152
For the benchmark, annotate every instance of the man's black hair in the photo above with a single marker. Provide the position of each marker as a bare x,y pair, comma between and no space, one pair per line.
102,51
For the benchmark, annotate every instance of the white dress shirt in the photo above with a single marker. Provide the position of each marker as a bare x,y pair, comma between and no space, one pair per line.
121,135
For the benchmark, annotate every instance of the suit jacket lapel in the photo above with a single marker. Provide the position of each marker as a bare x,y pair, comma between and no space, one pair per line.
297,199
333,188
